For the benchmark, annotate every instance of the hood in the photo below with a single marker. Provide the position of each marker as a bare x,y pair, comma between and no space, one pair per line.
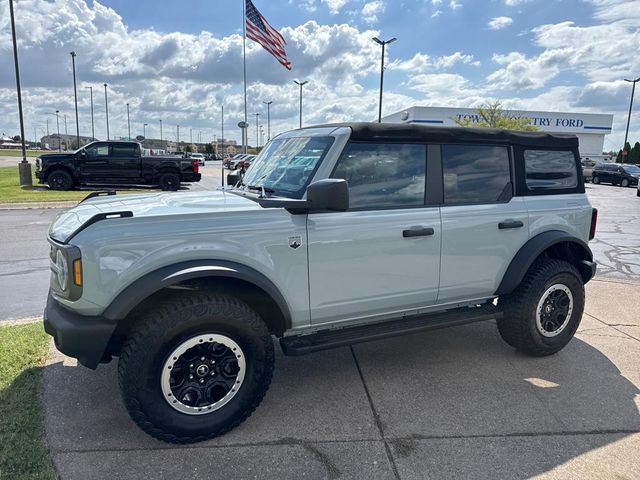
57,156
67,223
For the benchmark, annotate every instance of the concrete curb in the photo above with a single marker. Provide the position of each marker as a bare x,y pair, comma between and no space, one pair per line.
37,205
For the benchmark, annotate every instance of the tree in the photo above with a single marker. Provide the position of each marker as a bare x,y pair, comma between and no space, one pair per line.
208,148
17,139
624,158
188,149
492,115
634,155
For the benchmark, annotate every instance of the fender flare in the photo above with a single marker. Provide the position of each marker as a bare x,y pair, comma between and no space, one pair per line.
527,254
155,281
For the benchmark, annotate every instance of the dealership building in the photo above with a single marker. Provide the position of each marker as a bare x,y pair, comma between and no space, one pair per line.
590,128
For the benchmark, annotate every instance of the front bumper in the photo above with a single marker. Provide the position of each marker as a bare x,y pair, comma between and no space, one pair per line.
78,336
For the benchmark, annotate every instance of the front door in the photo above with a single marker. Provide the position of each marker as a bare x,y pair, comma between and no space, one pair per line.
95,161
382,257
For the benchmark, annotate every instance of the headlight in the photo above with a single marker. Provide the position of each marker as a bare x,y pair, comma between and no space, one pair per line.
66,270
62,270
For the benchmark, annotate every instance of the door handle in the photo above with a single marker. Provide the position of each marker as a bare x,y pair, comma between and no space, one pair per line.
418,232
510,224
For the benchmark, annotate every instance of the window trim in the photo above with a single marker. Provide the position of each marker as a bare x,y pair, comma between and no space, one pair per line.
511,173
521,174
397,207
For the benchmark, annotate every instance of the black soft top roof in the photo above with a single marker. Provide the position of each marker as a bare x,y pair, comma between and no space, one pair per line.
407,132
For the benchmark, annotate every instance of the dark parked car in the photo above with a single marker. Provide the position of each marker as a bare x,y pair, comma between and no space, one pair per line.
114,163
616,174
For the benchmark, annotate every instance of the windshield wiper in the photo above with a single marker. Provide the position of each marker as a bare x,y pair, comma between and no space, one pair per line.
261,188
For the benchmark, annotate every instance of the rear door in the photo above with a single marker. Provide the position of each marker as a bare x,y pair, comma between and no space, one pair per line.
125,160
382,256
483,225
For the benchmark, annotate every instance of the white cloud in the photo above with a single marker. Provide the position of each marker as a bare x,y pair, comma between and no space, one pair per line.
498,23
436,14
371,10
454,5
522,72
513,3
422,62
335,5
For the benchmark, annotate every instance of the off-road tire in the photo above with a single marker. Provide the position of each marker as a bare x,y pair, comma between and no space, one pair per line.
60,179
165,326
169,182
595,179
518,325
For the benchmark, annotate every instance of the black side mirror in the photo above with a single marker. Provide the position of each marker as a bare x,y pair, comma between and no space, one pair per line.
328,194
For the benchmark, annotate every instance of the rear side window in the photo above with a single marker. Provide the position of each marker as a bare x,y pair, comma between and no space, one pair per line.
475,173
124,150
550,169
384,175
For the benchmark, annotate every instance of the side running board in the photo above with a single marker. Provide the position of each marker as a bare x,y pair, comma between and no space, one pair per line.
325,339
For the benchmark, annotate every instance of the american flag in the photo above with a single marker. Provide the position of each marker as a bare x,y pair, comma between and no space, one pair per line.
259,30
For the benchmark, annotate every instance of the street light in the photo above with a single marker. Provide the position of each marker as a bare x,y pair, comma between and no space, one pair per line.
633,89
106,108
257,131
268,104
222,138
128,123
65,124
93,133
383,43
144,130
75,96
161,133
301,84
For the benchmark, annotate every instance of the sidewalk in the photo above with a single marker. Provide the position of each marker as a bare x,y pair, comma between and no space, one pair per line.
455,403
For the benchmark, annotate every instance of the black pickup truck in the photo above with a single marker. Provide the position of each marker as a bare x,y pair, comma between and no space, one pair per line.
114,163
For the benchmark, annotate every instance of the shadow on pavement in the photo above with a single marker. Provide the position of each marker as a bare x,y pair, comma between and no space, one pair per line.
456,402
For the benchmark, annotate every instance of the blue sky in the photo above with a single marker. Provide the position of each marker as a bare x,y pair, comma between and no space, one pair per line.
179,61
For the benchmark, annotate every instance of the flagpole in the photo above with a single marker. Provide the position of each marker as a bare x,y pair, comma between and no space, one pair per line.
244,68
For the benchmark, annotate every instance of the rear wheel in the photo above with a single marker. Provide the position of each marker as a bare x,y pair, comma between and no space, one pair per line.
595,179
624,183
543,313
60,180
169,181
195,367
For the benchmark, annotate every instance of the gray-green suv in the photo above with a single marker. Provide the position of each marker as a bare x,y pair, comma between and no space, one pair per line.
337,234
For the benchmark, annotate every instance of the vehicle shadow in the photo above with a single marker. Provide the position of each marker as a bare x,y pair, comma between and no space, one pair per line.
455,402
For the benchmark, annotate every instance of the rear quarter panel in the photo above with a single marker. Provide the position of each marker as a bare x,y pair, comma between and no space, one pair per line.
567,212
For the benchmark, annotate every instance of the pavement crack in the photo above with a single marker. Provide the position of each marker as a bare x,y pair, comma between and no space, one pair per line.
376,417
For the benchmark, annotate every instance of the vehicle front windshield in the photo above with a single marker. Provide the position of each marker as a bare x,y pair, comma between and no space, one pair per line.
631,169
285,167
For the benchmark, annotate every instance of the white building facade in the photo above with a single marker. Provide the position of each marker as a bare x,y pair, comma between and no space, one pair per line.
590,128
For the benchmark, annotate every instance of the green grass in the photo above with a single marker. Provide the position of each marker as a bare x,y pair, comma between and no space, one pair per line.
23,452
10,152
12,192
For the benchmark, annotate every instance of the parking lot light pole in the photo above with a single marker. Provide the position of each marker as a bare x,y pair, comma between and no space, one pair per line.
24,169
301,84
93,133
58,127
633,89
268,104
128,123
257,131
144,130
106,108
75,96
161,132
383,43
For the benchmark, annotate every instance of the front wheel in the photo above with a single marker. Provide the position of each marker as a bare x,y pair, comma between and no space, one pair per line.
60,180
195,367
595,180
543,313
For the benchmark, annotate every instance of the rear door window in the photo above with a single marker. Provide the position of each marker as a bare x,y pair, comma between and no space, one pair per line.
125,150
550,169
475,173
